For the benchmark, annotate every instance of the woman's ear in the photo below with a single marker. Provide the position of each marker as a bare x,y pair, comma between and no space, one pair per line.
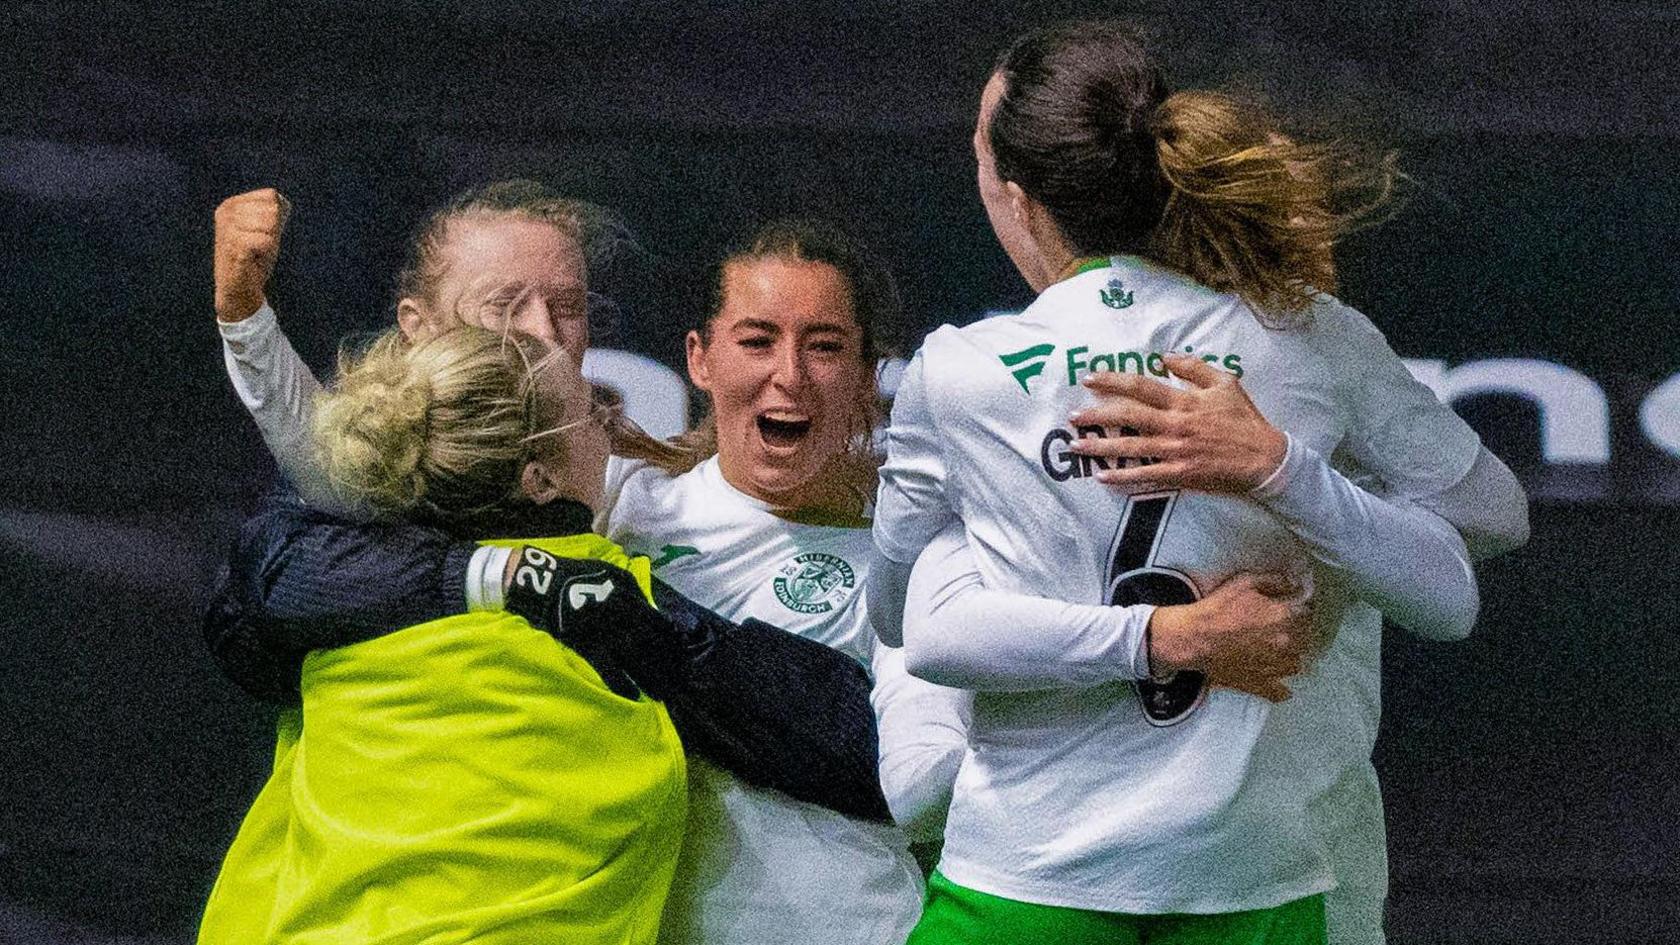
698,372
539,484
1020,205
1048,242
411,320
1035,218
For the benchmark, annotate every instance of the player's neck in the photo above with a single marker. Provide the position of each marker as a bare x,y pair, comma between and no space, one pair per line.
1079,265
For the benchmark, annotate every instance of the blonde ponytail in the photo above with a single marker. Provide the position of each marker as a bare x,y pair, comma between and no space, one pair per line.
1251,211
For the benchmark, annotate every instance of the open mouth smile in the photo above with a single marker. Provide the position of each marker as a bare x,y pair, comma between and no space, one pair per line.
783,429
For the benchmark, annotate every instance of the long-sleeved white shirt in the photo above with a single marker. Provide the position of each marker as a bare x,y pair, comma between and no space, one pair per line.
1070,795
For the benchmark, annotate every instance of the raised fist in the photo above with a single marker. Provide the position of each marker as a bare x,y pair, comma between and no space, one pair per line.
248,228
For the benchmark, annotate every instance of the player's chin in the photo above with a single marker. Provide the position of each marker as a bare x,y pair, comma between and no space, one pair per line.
783,479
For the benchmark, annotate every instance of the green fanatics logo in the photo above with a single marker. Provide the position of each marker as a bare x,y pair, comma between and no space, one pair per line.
1027,363
1115,296
670,553
814,582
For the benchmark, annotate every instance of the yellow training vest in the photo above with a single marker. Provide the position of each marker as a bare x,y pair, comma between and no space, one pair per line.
463,780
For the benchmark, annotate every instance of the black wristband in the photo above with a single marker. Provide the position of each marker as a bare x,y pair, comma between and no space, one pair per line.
531,594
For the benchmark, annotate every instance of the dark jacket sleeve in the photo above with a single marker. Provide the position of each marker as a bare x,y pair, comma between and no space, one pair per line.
775,709
298,580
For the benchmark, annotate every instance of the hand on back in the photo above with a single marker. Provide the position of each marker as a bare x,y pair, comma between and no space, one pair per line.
1251,633
1210,437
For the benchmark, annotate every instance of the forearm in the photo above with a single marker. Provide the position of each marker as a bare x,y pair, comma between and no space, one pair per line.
888,583
1488,507
279,391
1407,561
316,581
775,709
924,735
958,632
781,712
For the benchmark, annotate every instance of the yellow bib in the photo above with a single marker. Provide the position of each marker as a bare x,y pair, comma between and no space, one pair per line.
464,780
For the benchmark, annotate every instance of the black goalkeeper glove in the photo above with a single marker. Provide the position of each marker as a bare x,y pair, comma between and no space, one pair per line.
598,610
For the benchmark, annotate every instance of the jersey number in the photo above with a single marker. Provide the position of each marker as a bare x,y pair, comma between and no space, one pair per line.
536,571
1134,578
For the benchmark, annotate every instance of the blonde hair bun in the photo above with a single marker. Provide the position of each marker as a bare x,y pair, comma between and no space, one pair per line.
371,432
435,430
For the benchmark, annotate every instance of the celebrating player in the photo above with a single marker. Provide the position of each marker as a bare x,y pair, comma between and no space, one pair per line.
788,355
467,779
1117,786
511,254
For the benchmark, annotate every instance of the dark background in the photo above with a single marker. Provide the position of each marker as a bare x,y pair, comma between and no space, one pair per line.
1530,773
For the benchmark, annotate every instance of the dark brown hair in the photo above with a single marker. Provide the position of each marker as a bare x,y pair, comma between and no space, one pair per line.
1197,181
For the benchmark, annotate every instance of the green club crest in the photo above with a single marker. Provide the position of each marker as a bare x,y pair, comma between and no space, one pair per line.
814,583
1115,296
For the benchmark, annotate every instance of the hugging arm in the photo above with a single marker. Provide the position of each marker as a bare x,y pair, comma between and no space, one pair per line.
924,735
298,579
1398,554
911,505
1250,633
773,708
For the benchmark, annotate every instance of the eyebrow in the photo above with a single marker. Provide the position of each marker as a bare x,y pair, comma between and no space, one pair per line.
758,324
498,286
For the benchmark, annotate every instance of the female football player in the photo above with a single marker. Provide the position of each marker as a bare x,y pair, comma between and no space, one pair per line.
1106,799
467,778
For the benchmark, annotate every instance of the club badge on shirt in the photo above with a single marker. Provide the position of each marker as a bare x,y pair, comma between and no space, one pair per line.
814,582
1115,296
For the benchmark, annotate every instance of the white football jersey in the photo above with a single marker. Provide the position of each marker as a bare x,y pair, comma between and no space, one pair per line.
1096,798
757,866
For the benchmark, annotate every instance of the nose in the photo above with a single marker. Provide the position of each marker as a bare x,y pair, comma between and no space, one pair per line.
533,317
790,366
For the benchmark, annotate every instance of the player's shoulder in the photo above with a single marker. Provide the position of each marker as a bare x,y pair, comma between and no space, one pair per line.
639,493
635,477
949,339
1001,340
1331,324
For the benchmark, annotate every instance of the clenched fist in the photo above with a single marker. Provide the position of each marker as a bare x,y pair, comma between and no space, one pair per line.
248,228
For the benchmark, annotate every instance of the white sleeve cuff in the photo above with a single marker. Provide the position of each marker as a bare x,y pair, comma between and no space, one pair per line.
1278,481
484,577
1136,623
241,334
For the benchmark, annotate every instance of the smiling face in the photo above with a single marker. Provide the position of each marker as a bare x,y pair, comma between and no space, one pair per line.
506,271
783,361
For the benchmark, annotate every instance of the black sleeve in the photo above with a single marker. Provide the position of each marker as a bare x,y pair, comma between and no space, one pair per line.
786,713
771,707
774,708
299,579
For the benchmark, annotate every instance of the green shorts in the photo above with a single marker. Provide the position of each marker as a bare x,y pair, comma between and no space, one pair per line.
958,916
